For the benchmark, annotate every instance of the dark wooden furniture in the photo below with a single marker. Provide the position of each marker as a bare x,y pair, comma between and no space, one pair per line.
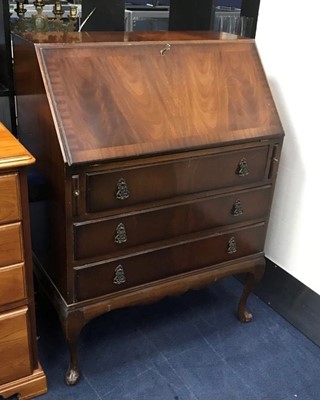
7,108
20,372
160,151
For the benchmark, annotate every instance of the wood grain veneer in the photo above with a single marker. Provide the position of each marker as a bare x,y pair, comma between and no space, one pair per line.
160,153
19,359
197,107
12,284
9,198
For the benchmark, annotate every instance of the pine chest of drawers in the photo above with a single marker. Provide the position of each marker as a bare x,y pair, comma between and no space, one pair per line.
159,152
20,372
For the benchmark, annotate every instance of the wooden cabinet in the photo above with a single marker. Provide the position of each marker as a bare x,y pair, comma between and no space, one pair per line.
20,372
160,153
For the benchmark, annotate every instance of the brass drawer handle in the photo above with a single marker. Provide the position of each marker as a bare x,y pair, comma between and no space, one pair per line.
121,234
119,275
232,245
243,169
237,209
123,191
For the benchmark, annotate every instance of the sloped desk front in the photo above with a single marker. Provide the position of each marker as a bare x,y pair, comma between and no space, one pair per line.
160,152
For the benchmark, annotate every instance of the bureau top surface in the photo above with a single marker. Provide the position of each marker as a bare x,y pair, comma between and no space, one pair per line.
120,96
12,153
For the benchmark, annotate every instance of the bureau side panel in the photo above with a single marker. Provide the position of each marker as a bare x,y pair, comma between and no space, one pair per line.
47,178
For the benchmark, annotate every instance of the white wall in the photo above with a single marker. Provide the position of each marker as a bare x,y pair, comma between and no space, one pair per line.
288,42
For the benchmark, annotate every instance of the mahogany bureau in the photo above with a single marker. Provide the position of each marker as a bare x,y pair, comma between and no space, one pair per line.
159,152
20,372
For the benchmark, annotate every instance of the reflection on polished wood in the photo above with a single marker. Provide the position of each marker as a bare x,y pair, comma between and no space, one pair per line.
197,94
12,153
9,195
20,373
172,136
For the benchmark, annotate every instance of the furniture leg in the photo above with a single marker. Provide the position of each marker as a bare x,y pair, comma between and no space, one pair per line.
73,373
252,278
72,326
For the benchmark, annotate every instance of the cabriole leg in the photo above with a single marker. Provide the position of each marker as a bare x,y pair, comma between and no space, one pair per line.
72,326
252,278
73,373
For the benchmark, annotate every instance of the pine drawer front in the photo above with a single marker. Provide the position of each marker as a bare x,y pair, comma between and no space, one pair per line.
12,284
9,198
11,249
103,278
97,239
14,345
121,188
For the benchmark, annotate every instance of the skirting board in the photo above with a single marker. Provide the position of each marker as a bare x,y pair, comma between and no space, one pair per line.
290,298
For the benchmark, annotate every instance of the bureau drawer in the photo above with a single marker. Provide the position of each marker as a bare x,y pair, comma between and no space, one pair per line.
11,250
12,284
107,190
9,198
99,279
14,345
102,237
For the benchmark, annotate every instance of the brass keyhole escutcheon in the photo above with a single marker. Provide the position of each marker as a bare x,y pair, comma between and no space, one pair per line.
123,191
121,234
232,245
237,209
119,275
243,169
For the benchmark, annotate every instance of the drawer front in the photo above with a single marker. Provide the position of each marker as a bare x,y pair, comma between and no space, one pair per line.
100,238
10,210
114,189
12,284
11,250
97,280
14,346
